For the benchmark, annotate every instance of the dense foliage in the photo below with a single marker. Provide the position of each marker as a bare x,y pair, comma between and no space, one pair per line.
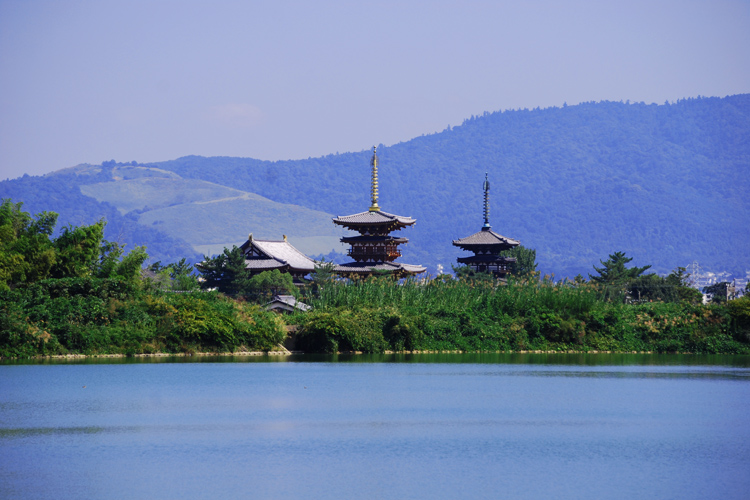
479,315
227,273
78,293
112,316
28,253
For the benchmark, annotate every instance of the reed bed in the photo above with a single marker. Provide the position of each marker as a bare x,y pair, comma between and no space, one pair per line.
380,314
515,299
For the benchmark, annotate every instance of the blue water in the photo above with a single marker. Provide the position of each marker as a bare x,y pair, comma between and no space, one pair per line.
405,427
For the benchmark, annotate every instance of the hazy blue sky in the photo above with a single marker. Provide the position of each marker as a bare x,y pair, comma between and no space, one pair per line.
88,81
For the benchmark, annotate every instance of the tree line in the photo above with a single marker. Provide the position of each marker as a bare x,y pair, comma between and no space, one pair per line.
79,293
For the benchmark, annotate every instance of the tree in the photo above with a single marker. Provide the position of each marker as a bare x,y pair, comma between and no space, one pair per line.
26,251
614,271
674,288
650,287
29,254
177,276
679,279
183,279
719,292
226,272
322,274
79,250
525,264
269,283
615,279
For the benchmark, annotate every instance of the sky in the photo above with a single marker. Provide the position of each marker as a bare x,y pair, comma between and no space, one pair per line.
91,81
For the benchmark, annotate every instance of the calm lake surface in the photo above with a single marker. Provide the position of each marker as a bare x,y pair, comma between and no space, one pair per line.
399,426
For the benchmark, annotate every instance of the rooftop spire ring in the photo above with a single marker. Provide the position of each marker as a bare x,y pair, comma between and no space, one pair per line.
486,187
374,189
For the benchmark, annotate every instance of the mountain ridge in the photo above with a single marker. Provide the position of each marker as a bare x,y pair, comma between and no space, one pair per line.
664,183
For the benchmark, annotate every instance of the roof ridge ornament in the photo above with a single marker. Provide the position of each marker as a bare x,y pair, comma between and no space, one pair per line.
486,187
374,189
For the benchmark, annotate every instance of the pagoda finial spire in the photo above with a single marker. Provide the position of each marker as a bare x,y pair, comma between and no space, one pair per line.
486,186
374,189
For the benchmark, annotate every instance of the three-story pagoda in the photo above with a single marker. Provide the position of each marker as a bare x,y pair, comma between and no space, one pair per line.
375,250
487,245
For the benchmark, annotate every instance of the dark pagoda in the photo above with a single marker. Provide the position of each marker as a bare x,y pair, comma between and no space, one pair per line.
487,245
375,250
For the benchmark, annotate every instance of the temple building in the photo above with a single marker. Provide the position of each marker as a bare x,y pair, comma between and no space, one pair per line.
487,245
267,255
375,249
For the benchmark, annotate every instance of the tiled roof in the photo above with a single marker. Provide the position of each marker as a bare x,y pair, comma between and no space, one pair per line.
373,239
280,252
353,267
488,237
486,258
288,300
263,264
378,217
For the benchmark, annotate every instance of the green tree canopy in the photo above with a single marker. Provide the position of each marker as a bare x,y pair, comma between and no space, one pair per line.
525,263
225,272
28,253
719,292
614,272
269,283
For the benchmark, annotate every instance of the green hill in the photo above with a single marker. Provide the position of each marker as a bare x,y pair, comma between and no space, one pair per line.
209,216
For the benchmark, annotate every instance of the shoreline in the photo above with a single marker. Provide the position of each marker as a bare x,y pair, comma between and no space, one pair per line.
286,352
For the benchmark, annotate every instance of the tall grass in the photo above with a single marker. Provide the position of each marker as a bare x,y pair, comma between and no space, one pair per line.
379,314
514,299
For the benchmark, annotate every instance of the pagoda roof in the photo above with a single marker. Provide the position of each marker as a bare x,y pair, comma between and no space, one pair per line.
373,239
485,259
277,254
365,267
486,237
372,218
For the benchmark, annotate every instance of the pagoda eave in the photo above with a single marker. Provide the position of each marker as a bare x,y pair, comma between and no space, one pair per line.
363,269
374,239
486,259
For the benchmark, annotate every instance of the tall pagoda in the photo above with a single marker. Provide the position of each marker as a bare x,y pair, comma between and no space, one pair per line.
487,245
375,250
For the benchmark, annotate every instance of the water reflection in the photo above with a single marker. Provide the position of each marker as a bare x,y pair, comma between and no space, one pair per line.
433,426
570,359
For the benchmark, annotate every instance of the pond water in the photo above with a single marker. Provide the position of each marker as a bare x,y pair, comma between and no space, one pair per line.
398,426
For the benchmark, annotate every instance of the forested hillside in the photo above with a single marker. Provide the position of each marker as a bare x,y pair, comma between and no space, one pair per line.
667,184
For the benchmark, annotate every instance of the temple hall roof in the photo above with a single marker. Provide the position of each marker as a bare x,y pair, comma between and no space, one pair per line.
278,254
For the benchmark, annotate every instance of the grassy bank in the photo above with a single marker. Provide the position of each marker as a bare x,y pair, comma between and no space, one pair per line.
93,316
109,316
379,315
